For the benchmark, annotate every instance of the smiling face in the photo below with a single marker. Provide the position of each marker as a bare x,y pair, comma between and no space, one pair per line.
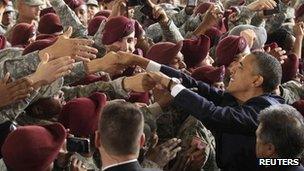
243,75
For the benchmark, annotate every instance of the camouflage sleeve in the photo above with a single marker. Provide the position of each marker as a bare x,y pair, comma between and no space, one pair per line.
171,32
69,18
19,66
257,21
12,111
113,90
275,22
154,32
77,73
180,18
190,25
152,111
244,16
292,91
149,164
98,40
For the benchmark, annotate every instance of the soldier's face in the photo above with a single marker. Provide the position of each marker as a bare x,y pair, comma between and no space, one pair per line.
82,14
178,62
92,10
126,44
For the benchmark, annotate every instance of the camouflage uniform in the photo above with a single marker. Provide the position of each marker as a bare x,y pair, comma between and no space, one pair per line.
69,18
172,123
292,91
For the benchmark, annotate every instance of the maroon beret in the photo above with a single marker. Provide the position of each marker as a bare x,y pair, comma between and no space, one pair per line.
139,97
38,45
290,68
73,4
202,8
81,115
105,13
21,34
299,105
228,48
299,11
45,36
47,11
34,147
2,42
117,28
164,52
195,50
209,74
49,24
214,34
94,24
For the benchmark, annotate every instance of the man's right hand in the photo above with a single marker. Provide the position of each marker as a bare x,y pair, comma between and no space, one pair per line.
11,92
259,5
165,152
49,71
141,82
79,49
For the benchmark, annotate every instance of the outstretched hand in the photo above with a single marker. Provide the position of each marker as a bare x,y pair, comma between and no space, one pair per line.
11,92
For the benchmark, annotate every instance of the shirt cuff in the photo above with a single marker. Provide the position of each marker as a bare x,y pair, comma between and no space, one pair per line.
153,66
176,89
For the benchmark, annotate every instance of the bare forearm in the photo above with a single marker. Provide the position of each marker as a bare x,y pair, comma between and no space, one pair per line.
297,48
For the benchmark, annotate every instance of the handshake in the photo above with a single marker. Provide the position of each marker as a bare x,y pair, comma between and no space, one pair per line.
146,81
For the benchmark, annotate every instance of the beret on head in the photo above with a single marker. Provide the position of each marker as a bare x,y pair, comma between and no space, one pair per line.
73,4
45,36
94,24
21,34
195,50
290,68
81,115
299,11
105,13
116,28
34,147
164,52
299,105
214,35
260,32
2,42
139,97
209,74
47,11
271,46
202,8
228,48
38,45
50,24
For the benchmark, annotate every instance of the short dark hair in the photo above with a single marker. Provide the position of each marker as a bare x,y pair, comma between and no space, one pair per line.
270,69
120,125
283,126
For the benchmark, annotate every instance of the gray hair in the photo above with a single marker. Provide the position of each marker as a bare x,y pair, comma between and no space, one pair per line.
283,126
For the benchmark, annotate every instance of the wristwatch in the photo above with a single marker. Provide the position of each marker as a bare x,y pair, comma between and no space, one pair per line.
173,82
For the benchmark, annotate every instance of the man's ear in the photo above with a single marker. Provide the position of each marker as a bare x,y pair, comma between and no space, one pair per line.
258,81
142,140
97,139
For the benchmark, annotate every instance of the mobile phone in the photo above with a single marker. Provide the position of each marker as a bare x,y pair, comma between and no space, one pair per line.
191,3
79,145
276,10
148,11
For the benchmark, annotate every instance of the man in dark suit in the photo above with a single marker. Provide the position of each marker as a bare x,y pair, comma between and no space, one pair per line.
230,115
280,135
120,136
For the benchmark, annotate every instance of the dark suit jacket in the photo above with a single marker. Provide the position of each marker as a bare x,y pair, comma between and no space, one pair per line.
233,125
133,166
